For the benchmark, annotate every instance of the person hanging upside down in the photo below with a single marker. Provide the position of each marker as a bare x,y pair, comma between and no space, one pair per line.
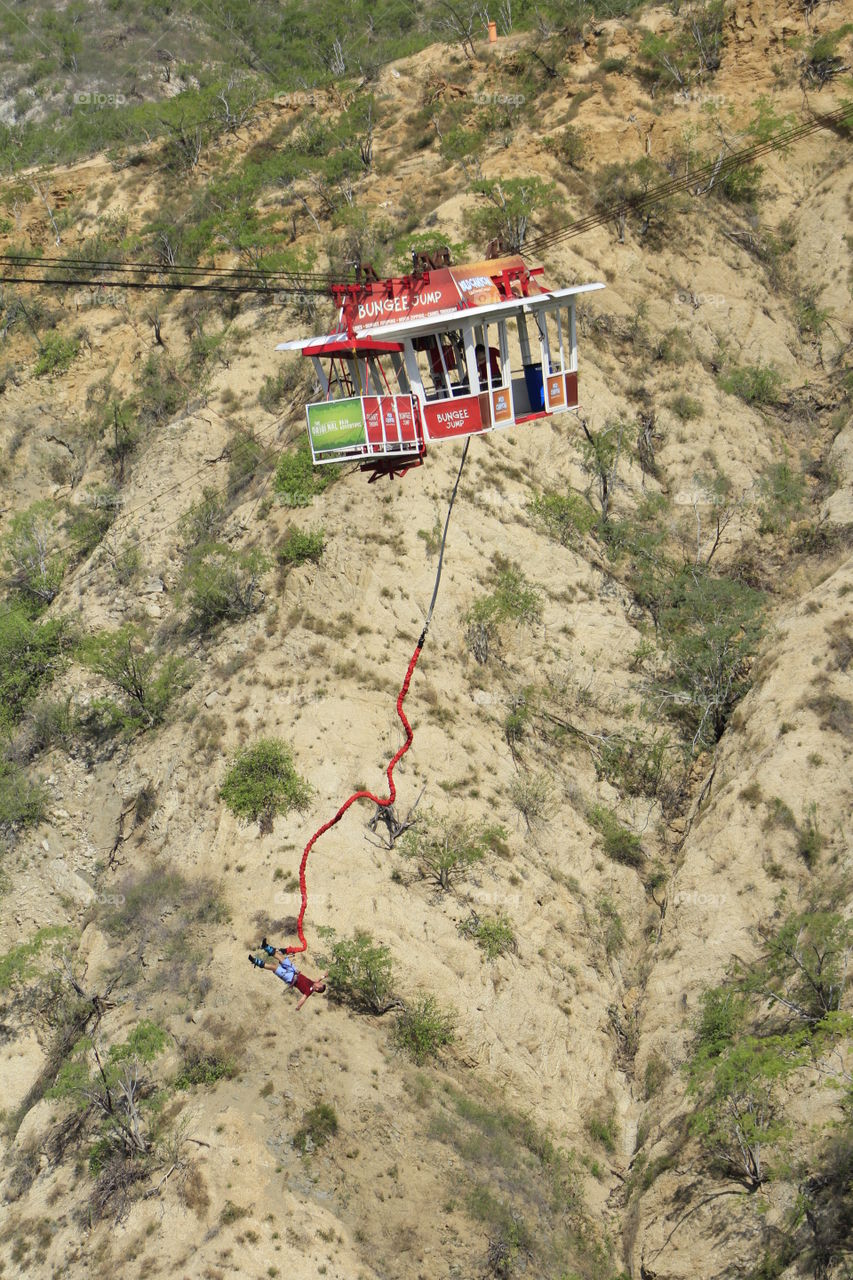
283,967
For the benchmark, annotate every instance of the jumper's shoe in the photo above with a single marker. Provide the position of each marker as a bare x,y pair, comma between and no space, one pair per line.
268,947
259,964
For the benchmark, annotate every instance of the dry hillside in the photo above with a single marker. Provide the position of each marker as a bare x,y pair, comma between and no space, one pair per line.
645,786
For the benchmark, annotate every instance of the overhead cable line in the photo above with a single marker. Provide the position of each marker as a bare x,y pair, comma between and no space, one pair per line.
711,170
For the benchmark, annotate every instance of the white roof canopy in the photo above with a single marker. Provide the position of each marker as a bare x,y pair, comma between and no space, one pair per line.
442,322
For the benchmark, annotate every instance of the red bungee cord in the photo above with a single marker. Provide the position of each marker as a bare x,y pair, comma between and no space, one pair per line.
398,755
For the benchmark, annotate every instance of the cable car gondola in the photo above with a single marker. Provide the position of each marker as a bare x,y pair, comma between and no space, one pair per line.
444,353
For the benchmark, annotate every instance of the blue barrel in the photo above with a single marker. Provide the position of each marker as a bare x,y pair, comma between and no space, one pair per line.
535,389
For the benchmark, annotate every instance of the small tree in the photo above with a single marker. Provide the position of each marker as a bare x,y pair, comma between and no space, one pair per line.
34,564
711,628
148,680
445,849
204,520
804,966
739,1116
511,203
262,782
600,454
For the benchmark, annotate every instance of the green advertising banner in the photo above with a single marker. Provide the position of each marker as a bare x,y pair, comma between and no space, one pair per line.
336,424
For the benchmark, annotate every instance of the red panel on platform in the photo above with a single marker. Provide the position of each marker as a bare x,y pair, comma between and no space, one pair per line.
373,422
406,419
572,390
448,419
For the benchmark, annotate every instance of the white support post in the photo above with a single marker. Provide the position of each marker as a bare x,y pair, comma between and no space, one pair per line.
321,376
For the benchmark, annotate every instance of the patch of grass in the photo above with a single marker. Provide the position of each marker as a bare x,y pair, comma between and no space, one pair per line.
263,782
319,1124
601,1127
612,926
620,844
423,1029
754,384
686,408
203,1067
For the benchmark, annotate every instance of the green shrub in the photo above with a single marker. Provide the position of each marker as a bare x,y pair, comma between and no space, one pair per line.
17,965
263,782
222,584
51,722
510,205
360,972
145,1042
739,183
754,384
512,599
31,654
620,844
566,518
161,393
424,1028
810,838
319,1124
56,354
654,1075
633,762
568,146
531,795
297,480
300,546
494,935
90,520
275,389
23,803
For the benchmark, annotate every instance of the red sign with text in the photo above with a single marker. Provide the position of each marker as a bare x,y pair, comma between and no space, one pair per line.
447,419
